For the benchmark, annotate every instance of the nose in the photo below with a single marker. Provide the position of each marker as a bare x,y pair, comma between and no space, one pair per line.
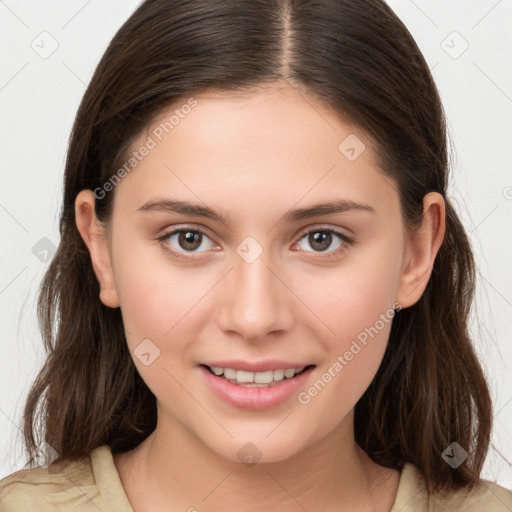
255,300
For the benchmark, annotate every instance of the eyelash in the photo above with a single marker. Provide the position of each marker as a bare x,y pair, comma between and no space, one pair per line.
327,255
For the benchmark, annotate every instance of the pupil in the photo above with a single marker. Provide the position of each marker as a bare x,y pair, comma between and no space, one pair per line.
188,240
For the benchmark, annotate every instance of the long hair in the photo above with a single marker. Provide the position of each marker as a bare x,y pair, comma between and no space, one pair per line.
360,60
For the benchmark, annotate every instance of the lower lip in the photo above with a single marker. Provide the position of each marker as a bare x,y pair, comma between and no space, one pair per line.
252,397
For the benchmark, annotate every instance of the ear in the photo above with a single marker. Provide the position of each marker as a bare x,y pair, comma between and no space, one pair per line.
422,246
94,234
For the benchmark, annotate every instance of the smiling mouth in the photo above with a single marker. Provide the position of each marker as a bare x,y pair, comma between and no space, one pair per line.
256,379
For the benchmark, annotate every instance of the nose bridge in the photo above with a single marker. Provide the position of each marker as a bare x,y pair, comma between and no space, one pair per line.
254,302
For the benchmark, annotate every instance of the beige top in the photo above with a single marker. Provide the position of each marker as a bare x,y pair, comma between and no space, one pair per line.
92,484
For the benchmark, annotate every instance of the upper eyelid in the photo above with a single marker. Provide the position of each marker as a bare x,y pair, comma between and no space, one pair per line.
320,227
176,229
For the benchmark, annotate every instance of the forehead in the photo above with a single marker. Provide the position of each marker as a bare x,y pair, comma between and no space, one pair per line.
274,145
258,112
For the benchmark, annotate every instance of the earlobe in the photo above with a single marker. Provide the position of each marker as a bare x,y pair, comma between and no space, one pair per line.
422,247
95,237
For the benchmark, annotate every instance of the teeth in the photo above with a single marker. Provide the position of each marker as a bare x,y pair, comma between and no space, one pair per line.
279,374
229,373
264,377
243,377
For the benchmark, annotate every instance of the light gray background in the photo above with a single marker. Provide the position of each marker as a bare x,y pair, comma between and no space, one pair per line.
40,93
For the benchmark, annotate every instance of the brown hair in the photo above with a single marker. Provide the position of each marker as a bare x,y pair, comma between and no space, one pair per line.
360,60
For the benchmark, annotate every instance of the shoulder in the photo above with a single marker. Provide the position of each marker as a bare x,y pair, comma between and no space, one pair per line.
64,485
484,497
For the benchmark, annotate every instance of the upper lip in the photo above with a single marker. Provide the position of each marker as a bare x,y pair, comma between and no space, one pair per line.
260,366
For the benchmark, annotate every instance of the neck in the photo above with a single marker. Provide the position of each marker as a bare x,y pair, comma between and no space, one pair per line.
173,470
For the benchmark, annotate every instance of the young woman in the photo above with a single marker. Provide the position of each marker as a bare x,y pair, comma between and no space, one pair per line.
260,299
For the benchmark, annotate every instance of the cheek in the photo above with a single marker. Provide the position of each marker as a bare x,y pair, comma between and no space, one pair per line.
159,301
361,323
355,307
160,316
353,298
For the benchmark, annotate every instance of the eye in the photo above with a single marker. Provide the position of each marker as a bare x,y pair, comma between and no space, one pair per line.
186,239
322,238
180,241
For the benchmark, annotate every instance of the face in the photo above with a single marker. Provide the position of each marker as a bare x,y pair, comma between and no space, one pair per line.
256,286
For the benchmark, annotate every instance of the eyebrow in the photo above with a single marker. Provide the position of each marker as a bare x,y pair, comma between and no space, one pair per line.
197,210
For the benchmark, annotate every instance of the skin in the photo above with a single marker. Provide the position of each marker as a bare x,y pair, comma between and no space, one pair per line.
253,157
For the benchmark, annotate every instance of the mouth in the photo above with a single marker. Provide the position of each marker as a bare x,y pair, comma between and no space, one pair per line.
274,384
261,379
